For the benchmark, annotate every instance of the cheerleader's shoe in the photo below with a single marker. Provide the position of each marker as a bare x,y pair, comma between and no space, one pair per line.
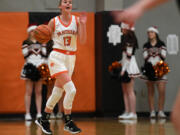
38,115
28,123
153,121
131,122
152,114
162,121
131,116
161,114
52,116
28,117
59,115
123,115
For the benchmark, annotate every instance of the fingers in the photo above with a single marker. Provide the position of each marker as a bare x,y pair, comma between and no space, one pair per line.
83,14
122,16
83,17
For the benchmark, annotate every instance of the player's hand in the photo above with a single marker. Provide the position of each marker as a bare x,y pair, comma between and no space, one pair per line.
83,18
129,15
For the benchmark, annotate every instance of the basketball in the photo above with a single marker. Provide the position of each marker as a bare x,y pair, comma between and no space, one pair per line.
42,33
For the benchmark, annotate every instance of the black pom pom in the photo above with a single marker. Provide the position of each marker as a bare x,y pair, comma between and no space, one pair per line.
31,72
148,71
125,78
115,73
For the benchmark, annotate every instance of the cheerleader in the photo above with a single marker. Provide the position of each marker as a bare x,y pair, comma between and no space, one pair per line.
34,54
129,65
65,30
155,51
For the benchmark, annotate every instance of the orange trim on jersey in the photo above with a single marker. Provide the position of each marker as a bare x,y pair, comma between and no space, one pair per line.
56,74
65,51
65,25
54,24
76,20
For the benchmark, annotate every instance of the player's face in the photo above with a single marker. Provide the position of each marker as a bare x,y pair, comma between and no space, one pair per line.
66,5
151,35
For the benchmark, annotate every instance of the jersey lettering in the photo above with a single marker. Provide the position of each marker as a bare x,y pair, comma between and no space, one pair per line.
67,41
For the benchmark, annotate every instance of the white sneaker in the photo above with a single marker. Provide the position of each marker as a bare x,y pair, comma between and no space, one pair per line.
152,114
28,123
59,115
131,116
28,116
153,121
161,114
38,115
162,121
131,122
122,116
52,116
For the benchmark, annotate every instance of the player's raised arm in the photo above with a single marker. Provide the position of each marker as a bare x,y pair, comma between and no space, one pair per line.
148,4
131,14
82,33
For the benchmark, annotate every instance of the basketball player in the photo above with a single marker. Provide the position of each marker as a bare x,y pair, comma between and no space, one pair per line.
66,28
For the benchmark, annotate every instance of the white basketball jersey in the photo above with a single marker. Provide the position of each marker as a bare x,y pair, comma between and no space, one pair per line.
65,36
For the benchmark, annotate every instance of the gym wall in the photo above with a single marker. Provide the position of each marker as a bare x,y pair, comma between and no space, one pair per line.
13,32
167,18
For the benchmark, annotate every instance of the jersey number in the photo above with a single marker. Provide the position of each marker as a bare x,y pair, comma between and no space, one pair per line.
67,41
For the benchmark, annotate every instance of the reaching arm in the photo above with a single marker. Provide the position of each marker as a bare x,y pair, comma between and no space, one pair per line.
146,5
51,24
82,33
134,12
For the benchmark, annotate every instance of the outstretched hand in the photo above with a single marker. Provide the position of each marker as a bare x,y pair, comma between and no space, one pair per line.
129,15
83,18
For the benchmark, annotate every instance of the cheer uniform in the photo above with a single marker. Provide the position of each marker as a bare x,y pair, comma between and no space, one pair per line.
128,61
62,58
154,54
34,53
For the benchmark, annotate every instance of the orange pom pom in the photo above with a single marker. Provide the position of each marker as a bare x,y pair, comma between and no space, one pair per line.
161,69
114,65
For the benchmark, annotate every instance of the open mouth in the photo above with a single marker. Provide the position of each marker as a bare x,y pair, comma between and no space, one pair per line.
67,8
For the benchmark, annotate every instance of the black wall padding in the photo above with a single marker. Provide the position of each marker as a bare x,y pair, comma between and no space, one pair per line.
109,98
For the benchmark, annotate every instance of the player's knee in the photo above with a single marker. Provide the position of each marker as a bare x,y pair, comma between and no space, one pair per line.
70,88
57,92
54,98
73,92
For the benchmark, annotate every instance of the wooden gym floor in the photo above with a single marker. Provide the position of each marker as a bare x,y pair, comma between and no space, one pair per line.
93,126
